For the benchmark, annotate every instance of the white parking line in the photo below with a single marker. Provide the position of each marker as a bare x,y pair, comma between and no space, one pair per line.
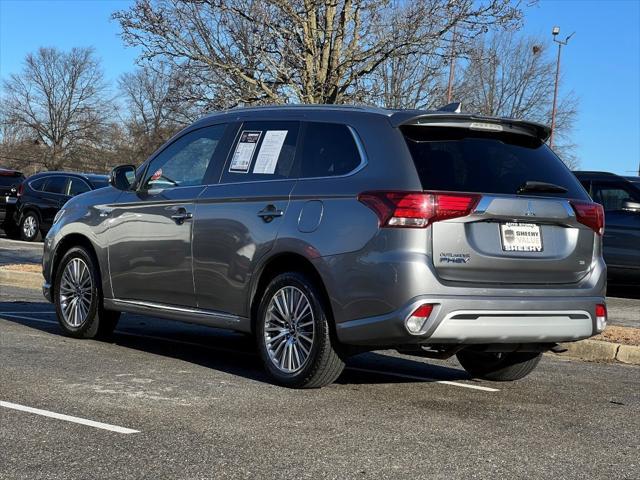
424,379
68,418
182,342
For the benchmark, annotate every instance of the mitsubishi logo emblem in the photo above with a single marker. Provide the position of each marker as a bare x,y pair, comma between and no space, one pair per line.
529,211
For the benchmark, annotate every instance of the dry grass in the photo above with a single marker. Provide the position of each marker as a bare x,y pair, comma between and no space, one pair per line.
24,267
624,335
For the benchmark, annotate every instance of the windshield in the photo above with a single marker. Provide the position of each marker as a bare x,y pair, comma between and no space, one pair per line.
462,160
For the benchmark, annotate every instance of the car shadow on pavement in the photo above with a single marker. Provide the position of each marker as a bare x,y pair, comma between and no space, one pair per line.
230,352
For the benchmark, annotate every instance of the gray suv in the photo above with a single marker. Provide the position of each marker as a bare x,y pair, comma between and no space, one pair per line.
328,231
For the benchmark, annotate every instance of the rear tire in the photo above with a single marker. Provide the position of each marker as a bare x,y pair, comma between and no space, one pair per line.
294,336
29,227
78,297
499,367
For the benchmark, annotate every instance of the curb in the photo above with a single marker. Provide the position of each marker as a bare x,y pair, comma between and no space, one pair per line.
599,351
17,278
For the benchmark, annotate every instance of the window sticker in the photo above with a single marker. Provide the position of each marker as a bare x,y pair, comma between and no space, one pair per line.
156,176
243,155
270,151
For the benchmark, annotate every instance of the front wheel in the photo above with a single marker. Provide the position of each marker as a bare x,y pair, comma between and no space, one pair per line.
78,297
499,367
293,334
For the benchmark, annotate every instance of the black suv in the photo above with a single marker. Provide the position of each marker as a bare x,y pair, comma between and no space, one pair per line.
41,197
9,182
620,198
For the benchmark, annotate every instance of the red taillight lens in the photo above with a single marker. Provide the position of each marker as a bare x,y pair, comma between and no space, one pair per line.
601,317
20,190
416,321
417,209
590,214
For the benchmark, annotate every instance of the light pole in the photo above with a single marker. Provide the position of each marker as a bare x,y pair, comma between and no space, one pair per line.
561,43
452,65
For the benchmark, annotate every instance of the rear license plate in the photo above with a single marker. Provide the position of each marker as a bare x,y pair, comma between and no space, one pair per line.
521,237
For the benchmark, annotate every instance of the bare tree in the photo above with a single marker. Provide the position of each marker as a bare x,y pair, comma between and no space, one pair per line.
59,99
511,76
313,51
154,111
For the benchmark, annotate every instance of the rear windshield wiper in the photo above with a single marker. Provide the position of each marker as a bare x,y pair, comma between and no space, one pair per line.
533,186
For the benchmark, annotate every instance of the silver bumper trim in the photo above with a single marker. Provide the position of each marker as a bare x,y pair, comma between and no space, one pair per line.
487,326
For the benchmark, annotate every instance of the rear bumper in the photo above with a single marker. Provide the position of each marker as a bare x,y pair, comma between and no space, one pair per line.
479,320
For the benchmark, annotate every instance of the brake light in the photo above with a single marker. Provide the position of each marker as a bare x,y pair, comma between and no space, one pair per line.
590,214
417,209
601,317
20,190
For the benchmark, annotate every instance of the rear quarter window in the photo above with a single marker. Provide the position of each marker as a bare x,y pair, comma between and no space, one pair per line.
38,183
328,150
462,160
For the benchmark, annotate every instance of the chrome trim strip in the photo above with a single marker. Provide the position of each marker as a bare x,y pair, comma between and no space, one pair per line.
176,309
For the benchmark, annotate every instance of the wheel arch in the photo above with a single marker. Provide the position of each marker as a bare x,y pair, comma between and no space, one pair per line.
67,243
281,263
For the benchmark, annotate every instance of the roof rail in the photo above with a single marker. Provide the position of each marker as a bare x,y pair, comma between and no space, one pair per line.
455,107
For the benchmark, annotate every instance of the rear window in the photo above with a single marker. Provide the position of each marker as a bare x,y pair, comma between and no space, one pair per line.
462,160
9,180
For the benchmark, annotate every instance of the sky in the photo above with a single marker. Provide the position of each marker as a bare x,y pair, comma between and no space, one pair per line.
601,64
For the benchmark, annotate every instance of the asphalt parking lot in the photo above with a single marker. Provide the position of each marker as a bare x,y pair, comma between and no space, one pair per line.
168,400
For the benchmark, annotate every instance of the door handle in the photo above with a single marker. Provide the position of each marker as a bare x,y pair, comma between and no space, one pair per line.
181,215
270,212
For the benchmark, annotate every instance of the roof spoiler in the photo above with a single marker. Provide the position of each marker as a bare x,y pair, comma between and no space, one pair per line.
452,119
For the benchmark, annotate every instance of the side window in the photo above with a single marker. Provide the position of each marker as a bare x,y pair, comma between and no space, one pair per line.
78,186
612,195
38,184
185,161
328,149
56,184
262,151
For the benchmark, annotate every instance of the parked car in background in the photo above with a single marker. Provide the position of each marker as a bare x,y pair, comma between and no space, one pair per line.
41,196
634,180
326,231
9,182
620,198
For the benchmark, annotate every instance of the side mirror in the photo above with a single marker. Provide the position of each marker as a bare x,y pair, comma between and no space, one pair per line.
629,206
122,177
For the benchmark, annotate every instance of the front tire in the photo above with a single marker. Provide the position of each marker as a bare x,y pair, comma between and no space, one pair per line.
294,336
499,367
29,227
78,297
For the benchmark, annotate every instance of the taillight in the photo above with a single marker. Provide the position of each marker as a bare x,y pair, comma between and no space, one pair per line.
590,214
415,322
20,190
601,317
417,209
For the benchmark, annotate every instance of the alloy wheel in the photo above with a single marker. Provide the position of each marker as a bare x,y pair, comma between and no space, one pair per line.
289,329
76,287
30,226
